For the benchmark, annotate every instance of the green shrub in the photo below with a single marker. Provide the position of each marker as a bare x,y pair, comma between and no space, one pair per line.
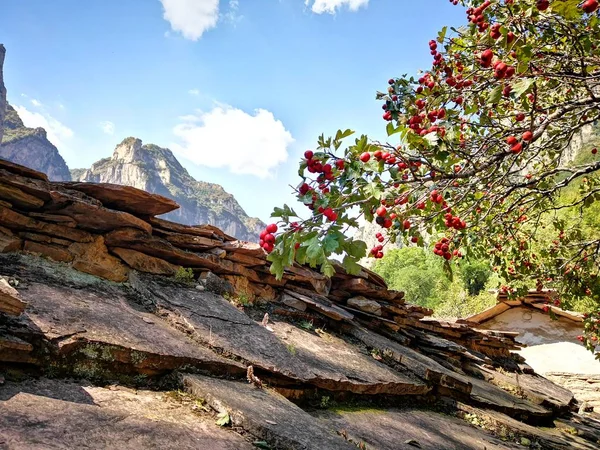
185,275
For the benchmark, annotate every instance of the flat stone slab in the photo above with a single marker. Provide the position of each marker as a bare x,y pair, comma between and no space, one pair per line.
76,314
564,436
290,353
403,429
535,388
265,414
344,364
126,198
56,414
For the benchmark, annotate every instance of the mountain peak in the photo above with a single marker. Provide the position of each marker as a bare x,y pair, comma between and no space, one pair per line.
156,169
31,147
132,150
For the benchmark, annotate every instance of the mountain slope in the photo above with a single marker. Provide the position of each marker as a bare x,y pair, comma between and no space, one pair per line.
156,170
2,90
30,147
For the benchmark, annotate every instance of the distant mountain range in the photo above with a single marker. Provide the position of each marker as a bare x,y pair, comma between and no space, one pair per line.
146,167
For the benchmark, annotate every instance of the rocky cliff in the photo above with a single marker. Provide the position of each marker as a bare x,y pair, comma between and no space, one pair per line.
2,89
31,147
156,170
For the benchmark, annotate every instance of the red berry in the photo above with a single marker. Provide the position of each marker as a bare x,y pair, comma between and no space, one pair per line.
381,211
414,239
519,117
511,140
406,224
387,223
263,233
542,5
527,136
594,151
340,164
589,6
269,239
365,157
516,148
272,228
308,154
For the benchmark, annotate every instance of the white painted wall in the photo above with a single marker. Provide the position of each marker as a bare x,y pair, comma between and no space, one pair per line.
552,345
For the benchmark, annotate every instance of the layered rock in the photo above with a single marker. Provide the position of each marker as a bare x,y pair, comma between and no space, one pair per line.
155,169
307,338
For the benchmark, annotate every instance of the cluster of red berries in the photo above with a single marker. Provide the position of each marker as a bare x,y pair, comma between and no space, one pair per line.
454,222
376,252
305,189
316,166
382,219
475,16
387,157
267,238
515,145
436,197
331,215
503,71
441,248
485,59
380,237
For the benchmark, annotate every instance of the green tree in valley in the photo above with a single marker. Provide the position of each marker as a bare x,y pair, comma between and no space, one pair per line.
477,155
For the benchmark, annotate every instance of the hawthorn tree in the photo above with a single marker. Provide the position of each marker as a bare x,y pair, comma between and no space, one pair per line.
479,152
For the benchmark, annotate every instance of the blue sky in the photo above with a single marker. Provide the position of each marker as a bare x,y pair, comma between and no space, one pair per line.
237,89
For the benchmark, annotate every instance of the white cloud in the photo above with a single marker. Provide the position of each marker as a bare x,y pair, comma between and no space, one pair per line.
194,92
227,137
191,17
232,15
57,132
108,127
330,6
36,103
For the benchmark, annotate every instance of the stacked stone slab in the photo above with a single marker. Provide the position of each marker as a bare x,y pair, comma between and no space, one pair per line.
348,335
109,230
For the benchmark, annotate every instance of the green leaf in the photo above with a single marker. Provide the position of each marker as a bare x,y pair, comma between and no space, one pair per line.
391,129
373,190
495,95
356,249
327,268
522,86
343,134
301,255
276,264
442,35
331,243
285,213
223,419
314,252
351,265
569,9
